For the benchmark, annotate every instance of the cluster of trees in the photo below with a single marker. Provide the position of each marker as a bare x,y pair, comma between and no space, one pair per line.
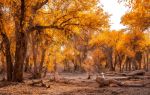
33,31
37,36
124,50
128,48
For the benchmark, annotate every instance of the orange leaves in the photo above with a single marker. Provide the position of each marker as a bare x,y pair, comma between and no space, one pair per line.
138,21
139,16
122,43
106,38
72,16
95,18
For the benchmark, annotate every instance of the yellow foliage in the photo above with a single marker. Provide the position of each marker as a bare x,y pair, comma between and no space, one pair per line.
121,42
139,16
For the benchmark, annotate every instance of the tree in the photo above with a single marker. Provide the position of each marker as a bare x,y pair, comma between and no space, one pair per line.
19,15
6,43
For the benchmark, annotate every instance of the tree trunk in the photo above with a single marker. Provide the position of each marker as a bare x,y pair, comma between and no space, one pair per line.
8,59
76,63
120,60
147,62
34,49
42,62
7,48
26,68
3,70
21,45
138,58
110,60
115,62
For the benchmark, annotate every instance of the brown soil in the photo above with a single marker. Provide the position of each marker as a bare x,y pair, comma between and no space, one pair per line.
78,85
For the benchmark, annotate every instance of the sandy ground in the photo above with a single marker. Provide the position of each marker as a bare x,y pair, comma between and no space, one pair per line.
79,85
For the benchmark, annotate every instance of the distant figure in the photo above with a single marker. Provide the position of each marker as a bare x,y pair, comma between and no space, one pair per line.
103,75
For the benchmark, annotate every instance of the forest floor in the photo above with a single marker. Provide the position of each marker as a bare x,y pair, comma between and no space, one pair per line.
78,85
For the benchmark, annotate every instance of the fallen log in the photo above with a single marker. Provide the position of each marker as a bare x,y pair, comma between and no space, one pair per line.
132,78
60,80
134,73
40,83
107,82
112,82
139,77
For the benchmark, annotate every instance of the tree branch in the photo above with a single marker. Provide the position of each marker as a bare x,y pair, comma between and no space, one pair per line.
38,27
39,5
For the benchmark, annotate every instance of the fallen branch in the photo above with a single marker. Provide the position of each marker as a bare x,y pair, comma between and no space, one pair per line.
133,73
109,82
139,77
40,83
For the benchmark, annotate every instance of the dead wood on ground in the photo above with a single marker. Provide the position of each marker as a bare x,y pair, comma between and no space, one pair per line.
112,82
40,83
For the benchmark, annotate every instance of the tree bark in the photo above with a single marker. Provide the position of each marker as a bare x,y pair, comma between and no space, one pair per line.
138,58
21,46
110,59
7,48
26,68
8,58
147,61
34,49
42,62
